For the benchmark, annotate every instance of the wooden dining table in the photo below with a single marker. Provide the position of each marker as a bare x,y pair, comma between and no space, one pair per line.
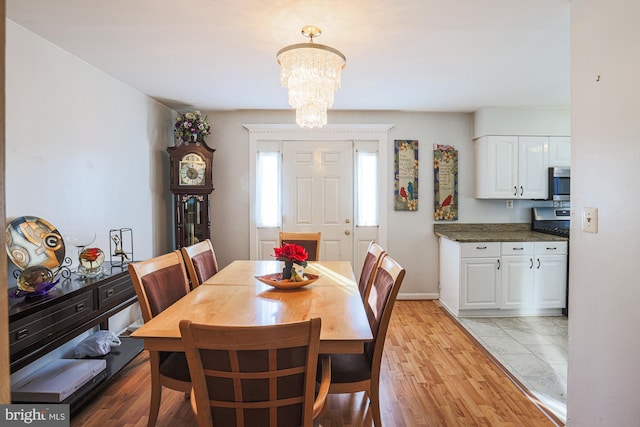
235,297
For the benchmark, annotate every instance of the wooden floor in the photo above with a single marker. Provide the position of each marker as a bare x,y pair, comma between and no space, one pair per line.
433,375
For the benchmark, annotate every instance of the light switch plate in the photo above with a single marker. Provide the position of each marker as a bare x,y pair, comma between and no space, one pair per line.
590,220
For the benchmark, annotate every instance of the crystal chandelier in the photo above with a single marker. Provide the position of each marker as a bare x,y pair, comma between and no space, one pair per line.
311,71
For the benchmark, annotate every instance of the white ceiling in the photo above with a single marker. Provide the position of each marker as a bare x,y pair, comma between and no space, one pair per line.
411,55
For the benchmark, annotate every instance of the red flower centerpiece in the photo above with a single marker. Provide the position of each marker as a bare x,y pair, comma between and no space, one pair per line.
291,254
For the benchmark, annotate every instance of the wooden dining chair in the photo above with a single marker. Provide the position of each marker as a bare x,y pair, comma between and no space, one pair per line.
309,241
200,261
369,267
352,373
159,282
256,376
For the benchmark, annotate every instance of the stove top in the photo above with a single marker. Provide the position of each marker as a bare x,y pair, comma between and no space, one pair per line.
551,220
558,231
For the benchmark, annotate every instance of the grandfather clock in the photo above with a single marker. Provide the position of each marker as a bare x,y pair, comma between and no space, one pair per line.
191,175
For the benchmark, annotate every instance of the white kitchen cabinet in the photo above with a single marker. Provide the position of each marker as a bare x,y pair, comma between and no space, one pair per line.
559,151
480,275
517,274
534,275
511,167
503,278
469,275
480,283
550,277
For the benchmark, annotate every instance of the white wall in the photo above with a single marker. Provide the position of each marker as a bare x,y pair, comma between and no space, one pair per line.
410,238
84,151
604,348
522,121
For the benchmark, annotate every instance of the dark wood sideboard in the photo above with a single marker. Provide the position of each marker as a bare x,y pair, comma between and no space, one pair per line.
38,325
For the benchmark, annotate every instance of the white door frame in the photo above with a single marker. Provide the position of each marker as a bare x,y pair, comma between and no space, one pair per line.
276,133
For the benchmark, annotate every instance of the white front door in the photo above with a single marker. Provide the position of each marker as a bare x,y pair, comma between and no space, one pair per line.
317,194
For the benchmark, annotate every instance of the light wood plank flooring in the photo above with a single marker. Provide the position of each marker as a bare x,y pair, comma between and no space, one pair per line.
433,374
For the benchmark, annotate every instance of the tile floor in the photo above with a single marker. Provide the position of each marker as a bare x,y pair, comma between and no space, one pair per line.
533,349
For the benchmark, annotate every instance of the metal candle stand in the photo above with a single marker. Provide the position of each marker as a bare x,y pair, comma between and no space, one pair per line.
120,246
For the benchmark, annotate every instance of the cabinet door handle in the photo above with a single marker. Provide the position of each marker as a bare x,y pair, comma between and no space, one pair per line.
481,247
518,249
521,190
531,266
110,292
551,249
498,264
22,334
538,263
515,190
79,307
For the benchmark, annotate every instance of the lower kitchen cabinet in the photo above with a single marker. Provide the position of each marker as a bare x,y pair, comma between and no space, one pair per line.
469,276
517,274
503,278
550,275
480,275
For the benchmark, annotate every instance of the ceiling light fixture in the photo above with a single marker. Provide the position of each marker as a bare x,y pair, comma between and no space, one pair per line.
311,71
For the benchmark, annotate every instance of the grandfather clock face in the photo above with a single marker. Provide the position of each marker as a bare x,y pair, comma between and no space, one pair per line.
192,170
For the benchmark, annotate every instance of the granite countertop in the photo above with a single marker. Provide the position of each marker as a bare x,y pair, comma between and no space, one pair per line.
518,232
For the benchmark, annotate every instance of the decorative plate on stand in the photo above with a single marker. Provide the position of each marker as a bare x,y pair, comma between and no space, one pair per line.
32,241
277,282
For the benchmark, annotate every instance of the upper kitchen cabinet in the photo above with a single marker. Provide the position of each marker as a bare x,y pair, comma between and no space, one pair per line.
511,167
559,151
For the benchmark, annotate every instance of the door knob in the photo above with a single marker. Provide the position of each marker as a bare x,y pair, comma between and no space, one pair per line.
347,221
347,232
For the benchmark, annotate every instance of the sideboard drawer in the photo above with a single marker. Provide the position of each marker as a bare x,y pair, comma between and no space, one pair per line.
50,321
115,291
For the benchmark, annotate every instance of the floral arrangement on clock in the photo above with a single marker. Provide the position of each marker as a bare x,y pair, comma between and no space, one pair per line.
291,254
191,126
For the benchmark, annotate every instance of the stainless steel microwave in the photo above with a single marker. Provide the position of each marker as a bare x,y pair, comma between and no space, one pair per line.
559,184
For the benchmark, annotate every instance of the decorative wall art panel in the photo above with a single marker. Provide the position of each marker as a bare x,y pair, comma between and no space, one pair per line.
445,182
405,189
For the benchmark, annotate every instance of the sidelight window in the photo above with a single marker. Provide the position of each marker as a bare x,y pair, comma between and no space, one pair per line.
366,188
268,171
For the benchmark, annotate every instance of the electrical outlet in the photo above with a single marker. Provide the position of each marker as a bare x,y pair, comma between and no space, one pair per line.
590,220
509,204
